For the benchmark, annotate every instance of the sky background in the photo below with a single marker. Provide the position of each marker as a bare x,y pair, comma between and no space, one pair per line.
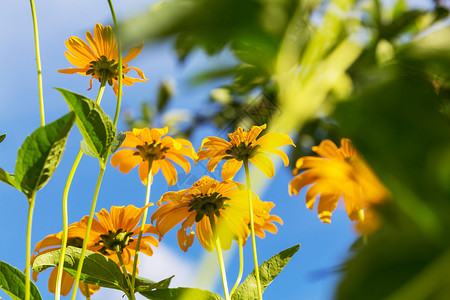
309,275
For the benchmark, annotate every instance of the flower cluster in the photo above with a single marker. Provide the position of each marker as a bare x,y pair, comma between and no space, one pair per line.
216,212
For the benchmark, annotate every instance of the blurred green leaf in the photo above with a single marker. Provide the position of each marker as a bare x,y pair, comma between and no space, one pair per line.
95,126
12,282
41,153
180,294
165,92
2,137
97,268
397,265
267,273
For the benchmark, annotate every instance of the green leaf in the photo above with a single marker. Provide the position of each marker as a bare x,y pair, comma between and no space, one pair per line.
9,179
119,139
86,149
95,126
12,281
144,284
41,153
2,137
267,273
180,294
97,268
165,92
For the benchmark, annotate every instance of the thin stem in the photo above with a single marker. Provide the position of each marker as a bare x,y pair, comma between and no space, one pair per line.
86,288
28,251
88,230
38,62
241,266
219,254
64,204
119,51
252,228
65,225
144,219
125,273
101,90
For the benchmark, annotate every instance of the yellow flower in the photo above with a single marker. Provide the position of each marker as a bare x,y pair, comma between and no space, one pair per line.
53,242
263,221
242,146
149,145
340,171
119,231
226,201
100,58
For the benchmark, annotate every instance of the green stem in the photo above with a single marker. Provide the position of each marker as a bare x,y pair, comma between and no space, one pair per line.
252,228
241,267
219,254
28,251
64,204
86,288
119,52
65,225
38,63
144,219
88,230
125,274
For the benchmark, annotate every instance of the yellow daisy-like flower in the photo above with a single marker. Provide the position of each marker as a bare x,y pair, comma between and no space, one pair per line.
263,220
207,197
53,242
149,145
119,230
100,58
339,171
244,146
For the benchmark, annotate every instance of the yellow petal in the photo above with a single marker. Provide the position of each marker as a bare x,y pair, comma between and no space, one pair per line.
264,164
230,168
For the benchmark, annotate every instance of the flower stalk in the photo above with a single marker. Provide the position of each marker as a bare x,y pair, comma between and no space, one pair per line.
252,228
241,266
219,254
125,273
88,230
31,201
38,63
144,219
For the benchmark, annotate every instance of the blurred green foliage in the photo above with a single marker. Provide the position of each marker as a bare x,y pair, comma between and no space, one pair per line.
393,102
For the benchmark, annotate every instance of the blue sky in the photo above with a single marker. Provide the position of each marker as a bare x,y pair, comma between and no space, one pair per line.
309,275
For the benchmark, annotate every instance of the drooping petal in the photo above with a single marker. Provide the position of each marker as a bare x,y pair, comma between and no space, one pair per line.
264,164
230,168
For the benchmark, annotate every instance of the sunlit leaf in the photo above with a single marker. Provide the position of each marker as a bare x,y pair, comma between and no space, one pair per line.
180,294
12,282
9,179
94,124
41,153
144,284
268,270
97,268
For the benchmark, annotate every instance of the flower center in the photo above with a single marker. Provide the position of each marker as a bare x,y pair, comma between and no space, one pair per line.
150,152
207,204
115,241
104,67
242,151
